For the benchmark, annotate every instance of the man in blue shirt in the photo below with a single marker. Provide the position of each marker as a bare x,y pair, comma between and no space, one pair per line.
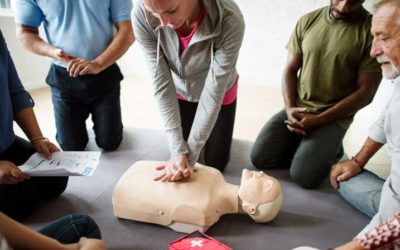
84,40
19,194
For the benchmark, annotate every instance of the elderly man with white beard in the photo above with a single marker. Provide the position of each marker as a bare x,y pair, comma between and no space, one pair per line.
375,197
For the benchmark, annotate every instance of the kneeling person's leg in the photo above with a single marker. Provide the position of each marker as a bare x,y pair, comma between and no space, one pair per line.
218,146
316,154
106,116
275,144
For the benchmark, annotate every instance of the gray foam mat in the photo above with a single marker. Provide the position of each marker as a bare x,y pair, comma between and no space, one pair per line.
318,218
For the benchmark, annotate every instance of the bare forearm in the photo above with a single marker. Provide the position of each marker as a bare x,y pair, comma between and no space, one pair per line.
30,39
361,97
21,237
289,79
119,45
346,107
289,88
26,120
369,148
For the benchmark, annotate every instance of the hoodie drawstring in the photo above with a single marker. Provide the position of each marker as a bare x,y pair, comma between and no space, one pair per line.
158,53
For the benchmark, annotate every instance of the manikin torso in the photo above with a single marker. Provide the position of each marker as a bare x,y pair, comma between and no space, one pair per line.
194,204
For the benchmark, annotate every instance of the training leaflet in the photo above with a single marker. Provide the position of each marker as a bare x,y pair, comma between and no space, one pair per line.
67,163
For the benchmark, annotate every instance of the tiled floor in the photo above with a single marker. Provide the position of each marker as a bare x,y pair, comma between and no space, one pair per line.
256,104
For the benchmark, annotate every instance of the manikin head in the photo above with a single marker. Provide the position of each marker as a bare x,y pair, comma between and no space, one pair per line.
342,10
173,13
386,31
260,195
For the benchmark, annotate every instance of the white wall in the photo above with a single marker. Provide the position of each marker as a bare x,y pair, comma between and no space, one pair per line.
268,27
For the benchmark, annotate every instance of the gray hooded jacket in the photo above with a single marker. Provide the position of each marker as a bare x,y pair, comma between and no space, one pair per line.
203,73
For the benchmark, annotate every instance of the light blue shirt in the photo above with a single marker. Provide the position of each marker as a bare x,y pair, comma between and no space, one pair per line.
82,28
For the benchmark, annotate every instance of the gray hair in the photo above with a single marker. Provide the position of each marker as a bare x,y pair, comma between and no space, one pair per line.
380,3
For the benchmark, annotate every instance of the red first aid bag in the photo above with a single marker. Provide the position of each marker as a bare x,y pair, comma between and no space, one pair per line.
198,241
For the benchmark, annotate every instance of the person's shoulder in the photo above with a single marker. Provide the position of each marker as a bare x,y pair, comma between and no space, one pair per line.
142,18
138,9
307,20
229,5
230,11
365,18
313,15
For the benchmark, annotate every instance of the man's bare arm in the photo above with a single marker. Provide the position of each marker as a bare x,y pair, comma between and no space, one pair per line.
30,39
367,85
121,42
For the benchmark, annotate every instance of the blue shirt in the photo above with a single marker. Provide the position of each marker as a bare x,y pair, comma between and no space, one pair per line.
82,28
13,96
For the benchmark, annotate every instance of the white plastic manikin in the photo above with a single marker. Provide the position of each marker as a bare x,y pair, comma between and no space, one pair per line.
194,204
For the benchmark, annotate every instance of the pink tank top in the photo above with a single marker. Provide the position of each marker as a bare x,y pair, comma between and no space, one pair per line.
231,94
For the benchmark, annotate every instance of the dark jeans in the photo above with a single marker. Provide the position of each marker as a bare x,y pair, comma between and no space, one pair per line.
310,158
69,229
75,98
217,149
18,200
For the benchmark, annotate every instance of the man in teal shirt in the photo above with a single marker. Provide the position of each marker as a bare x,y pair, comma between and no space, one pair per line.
84,39
328,77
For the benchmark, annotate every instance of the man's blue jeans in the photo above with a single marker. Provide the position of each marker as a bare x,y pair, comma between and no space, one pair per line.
363,191
74,99
69,229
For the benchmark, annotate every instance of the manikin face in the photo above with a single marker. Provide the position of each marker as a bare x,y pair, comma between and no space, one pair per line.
342,10
172,13
257,187
260,195
386,44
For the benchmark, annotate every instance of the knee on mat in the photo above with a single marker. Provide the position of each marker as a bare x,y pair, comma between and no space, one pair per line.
255,158
72,146
305,180
56,188
258,160
90,228
109,144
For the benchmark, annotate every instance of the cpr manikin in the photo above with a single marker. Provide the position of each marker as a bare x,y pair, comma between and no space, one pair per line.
194,204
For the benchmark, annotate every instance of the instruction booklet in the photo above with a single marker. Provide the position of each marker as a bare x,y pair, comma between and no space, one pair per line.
67,163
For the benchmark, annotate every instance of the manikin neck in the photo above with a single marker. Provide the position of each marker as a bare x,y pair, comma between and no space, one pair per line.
229,192
240,206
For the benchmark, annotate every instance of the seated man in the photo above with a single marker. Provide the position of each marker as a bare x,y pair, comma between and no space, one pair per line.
383,237
328,77
196,203
19,194
375,197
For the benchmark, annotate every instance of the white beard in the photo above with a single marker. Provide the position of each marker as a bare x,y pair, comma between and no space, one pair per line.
389,71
